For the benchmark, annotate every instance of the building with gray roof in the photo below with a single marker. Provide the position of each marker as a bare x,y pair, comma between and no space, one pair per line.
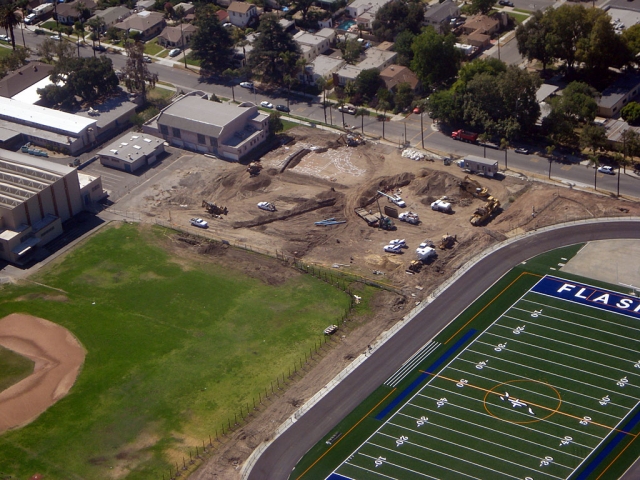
616,96
226,130
36,197
439,16
113,15
132,152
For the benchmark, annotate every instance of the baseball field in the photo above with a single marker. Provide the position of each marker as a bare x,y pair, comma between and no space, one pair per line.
175,344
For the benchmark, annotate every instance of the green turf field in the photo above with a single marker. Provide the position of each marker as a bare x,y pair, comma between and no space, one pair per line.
174,347
526,385
13,368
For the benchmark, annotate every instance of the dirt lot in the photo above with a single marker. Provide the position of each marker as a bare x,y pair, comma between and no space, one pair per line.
330,182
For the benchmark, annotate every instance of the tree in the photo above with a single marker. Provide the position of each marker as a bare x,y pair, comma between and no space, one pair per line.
577,103
631,37
135,73
88,78
384,106
362,112
403,96
78,27
398,16
351,50
631,113
96,24
178,14
569,24
275,123
593,137
368,82
468,71
50,49
275,53
321,83
402,46
481,6
8,20
435,58
83,12
601,47
211,44
303,7
536,39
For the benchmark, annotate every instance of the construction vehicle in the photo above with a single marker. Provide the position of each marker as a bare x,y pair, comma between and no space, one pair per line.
415,266
214,209
425,253
394,199
447,242
471,186
409,217
269,207
441,206
465,136
485,212
254,168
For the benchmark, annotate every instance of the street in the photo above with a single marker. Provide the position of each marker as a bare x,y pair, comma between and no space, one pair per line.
397,130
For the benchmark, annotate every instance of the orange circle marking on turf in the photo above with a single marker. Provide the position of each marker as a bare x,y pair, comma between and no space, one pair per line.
551,412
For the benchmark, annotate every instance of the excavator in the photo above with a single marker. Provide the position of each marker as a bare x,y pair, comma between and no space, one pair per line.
474,188
447,242
254,168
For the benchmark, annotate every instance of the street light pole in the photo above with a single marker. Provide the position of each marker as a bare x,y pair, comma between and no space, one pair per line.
422,129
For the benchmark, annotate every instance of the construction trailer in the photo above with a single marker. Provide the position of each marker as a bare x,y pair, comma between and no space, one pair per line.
479,165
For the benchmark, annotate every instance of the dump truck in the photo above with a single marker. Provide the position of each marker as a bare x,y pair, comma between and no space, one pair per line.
471,186
483,213
465,136
214,209
375,219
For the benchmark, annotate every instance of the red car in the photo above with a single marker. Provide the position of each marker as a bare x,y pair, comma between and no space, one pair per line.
417,110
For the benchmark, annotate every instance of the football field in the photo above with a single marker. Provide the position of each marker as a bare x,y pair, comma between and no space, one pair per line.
546,391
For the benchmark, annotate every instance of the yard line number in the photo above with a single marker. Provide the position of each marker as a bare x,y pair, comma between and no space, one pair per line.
566,441
401,440
379,461
421,421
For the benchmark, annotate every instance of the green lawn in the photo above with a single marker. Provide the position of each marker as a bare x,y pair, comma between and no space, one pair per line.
159,93
51,25
5,52
518,17
152,47
174,347
287,125
13,368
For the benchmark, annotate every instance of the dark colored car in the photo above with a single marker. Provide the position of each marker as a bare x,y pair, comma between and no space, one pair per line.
282,108
506,3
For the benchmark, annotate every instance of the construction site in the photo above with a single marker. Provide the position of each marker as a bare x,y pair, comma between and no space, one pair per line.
405,220
338,206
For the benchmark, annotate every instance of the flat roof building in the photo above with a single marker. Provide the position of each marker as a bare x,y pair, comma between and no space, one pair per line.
618,95
132,152
195,123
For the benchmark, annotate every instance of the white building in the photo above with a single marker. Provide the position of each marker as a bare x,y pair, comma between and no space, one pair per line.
132,152
322,66
312,45
358,7
374,58
241,13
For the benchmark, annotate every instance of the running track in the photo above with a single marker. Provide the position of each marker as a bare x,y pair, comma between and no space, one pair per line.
281,456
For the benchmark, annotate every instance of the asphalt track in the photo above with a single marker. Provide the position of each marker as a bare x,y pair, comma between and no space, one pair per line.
279,459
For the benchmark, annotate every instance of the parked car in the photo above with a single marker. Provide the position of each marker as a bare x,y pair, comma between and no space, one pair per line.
524,151
29,19
266,104
506,3
100,48
393,248
606,169
397,199
246,84
347,109
147,59
198,222
5,38
56,37
399,241
174,52
269,207
417,110
282,108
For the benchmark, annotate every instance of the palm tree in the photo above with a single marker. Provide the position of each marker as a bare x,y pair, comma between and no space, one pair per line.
595,161
362,112
550,149
179,14
341,110
384,106
96,24
8,20
322,85
231,75
504,145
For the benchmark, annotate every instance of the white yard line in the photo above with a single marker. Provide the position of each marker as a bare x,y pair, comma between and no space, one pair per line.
408,366
419,473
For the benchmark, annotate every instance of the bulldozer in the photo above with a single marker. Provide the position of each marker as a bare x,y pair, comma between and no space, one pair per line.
472,186
254,168
415,266
214,209
447,242
483,213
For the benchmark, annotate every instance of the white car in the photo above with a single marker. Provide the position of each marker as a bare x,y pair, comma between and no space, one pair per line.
347,109
174,52
198,222
400,242
523,151
397,199
56,37
30,18
269,207
5,38
266,104
606,169
246,84
393,248
146,59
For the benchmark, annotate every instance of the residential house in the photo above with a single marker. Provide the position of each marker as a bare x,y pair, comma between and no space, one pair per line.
616,96
22,78
358,7
145,4
439,16
67,13
322,66
149,24
394,75
242,13
113,15
188,8
223,16
481,24
479,40
226,130
178,36
374,58
312,45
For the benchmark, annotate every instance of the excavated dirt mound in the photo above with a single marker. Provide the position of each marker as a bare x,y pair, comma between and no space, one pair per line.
57,356
384,184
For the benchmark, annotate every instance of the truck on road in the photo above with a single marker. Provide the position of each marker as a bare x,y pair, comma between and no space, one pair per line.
465,136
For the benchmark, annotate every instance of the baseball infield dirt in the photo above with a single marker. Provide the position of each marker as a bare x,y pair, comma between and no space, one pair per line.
57,355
